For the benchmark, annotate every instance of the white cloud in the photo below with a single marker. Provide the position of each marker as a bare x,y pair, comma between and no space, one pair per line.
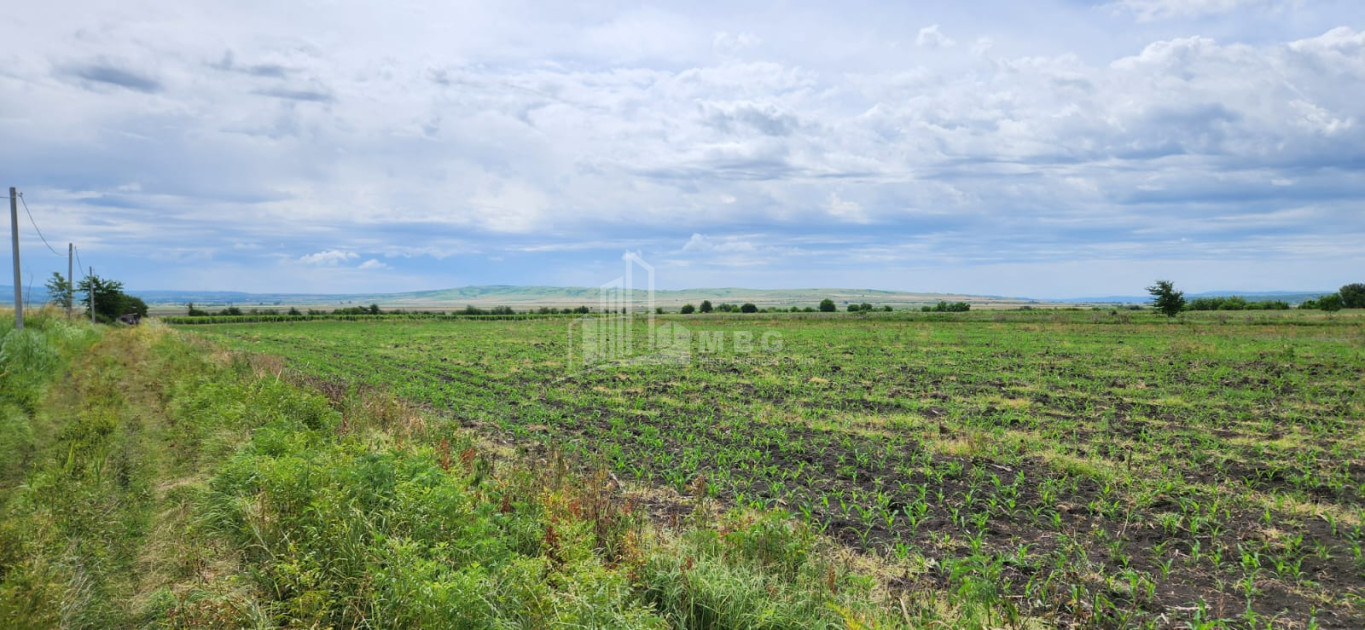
728,43
372,264
724,244
1149,10
931,37
845,209
328,258
438,134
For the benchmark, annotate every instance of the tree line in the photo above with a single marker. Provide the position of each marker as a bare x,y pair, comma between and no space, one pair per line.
1170,302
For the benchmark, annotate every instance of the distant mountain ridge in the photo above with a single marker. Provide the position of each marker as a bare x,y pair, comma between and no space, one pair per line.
1293,297
535,296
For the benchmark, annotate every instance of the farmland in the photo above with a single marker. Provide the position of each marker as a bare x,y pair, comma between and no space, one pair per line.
1092,467
149,480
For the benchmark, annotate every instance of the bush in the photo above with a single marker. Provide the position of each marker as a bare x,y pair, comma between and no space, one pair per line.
748,308
827,306
110,300
1234,303
1330,303
688,309
706,306
947,307
1352,295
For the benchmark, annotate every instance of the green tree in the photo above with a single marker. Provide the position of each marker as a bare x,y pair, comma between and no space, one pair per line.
748,307
110,300
706,306
134,304
827,306
688,309
1166,299
1352,295
1330,303
58,291
374,309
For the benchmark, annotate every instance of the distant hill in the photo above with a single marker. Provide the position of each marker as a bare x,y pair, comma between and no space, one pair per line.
1292,297
523,297
526,297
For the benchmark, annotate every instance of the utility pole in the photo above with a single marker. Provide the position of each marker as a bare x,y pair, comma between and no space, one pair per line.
92,295
70,280
18,285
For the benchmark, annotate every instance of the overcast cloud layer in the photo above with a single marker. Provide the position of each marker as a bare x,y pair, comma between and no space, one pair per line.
1051,148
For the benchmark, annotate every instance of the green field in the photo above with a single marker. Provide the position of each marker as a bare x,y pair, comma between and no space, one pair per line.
1089,467
150,480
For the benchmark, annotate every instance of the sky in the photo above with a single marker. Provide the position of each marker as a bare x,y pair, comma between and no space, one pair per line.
1051,148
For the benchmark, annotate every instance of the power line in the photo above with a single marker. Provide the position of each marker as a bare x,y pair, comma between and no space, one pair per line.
35,226
78,261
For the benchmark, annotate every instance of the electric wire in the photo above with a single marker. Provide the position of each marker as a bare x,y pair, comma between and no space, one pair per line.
35,226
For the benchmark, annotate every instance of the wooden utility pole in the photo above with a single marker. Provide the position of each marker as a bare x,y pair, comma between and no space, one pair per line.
18,285
92,295
70,280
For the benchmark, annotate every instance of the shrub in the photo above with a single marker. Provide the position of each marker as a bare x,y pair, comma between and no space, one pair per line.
706,306
1352,295
1330,303
827,306
688,309
748,308
947,307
